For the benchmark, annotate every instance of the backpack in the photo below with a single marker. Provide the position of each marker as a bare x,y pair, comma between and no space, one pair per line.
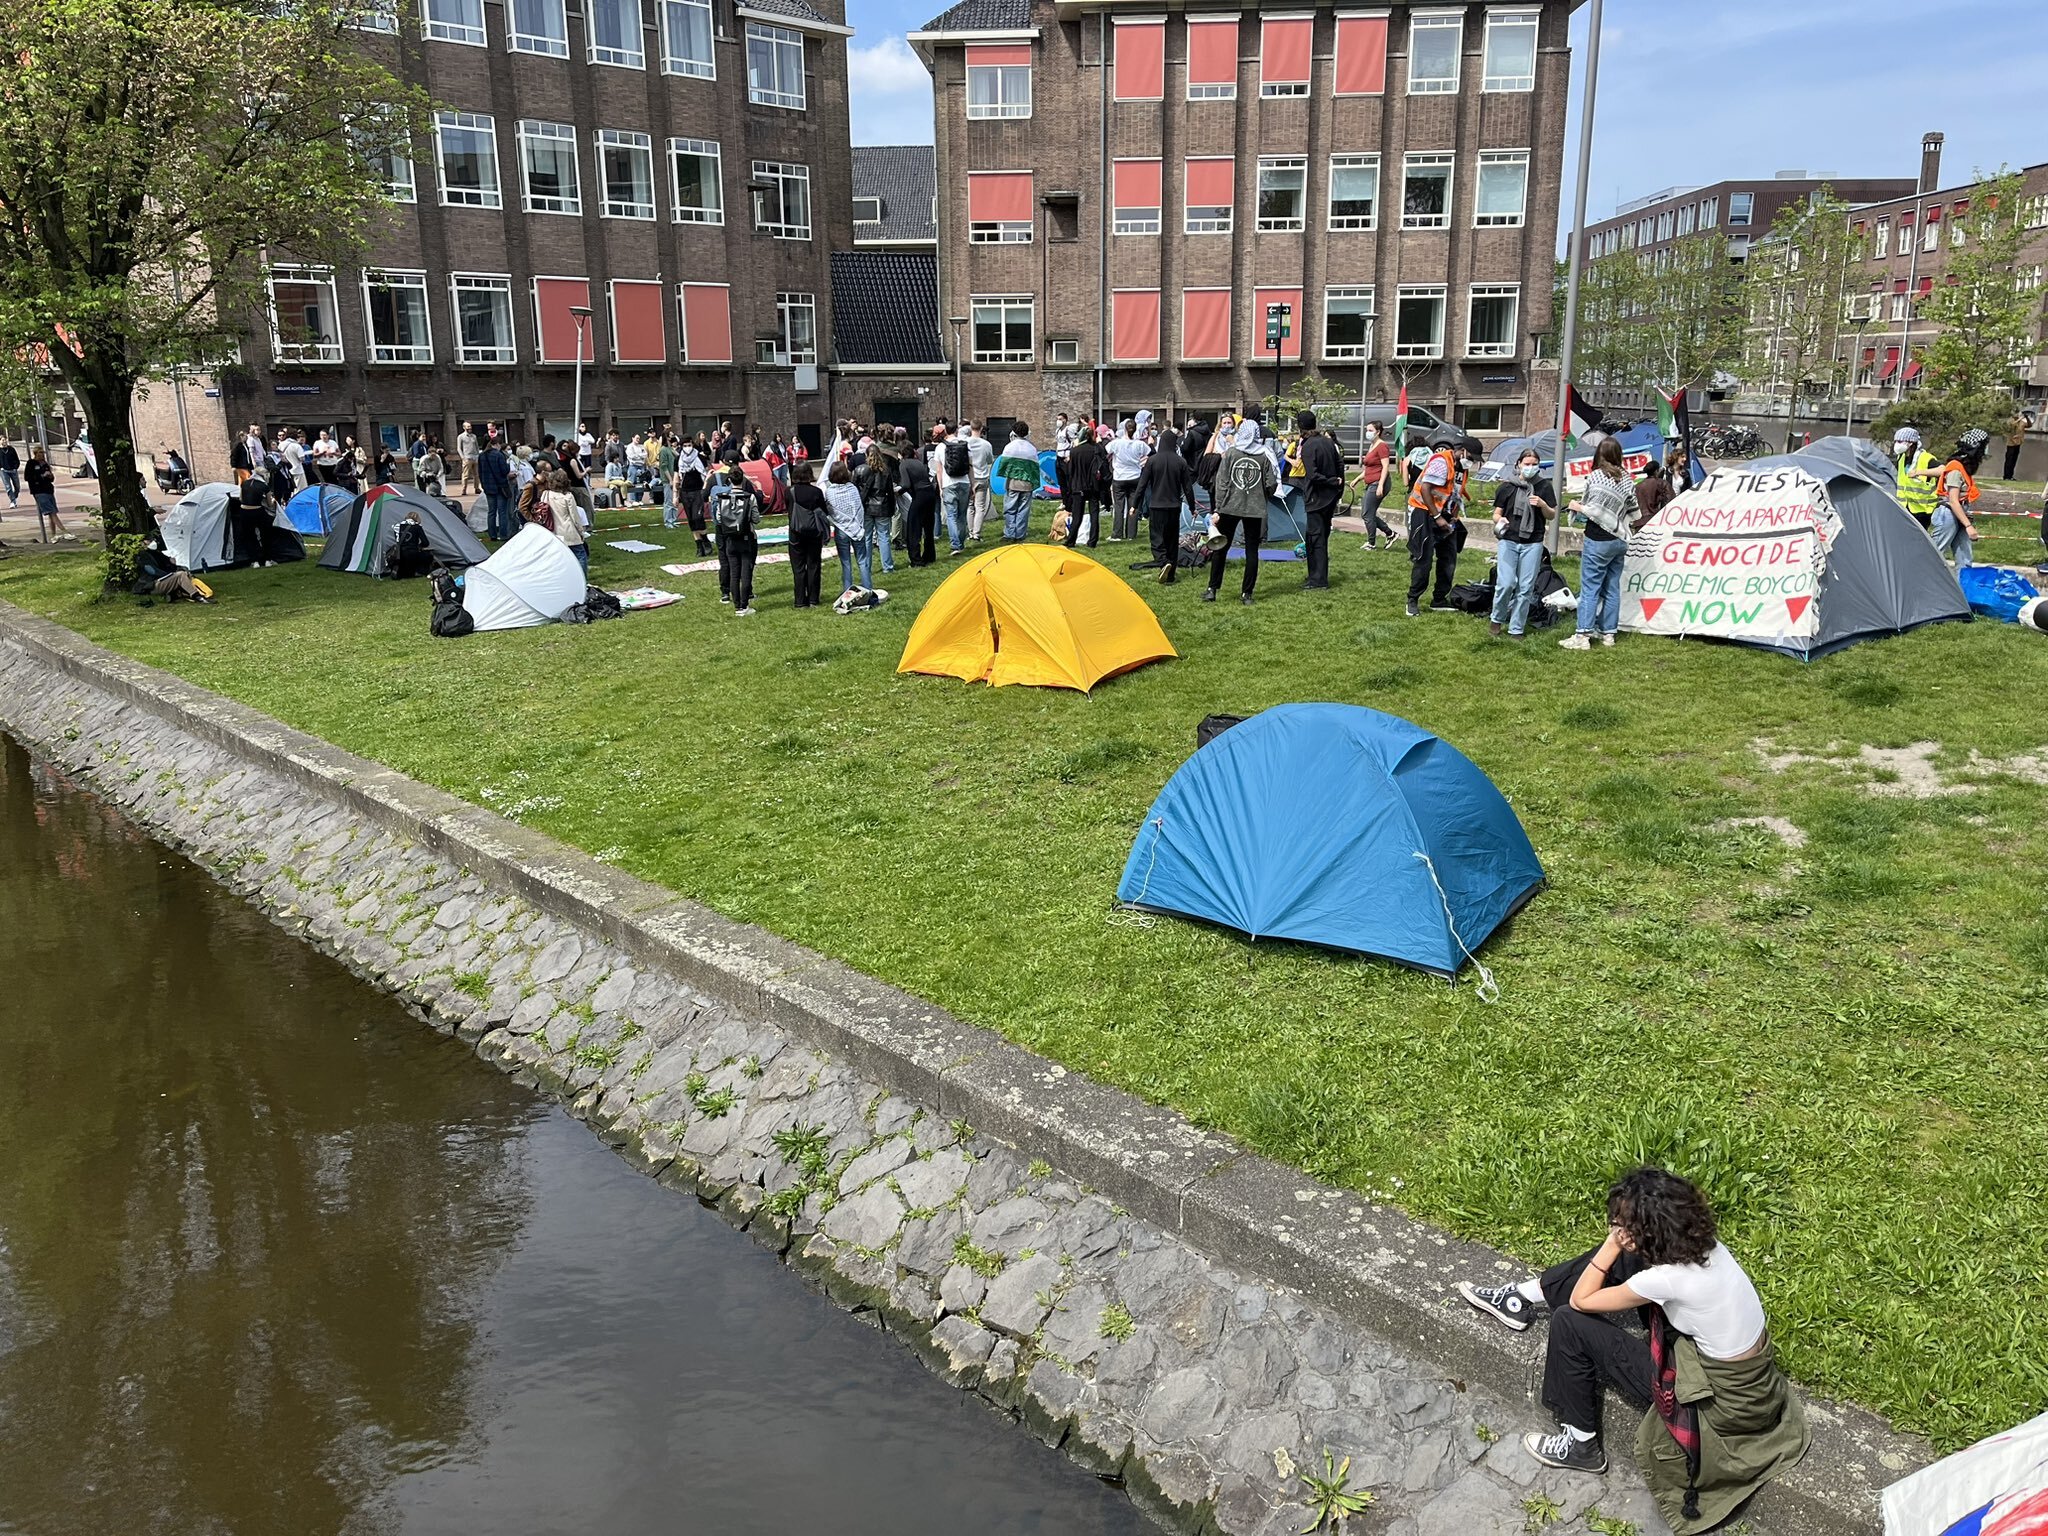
409,554
451,621
957,461
733,507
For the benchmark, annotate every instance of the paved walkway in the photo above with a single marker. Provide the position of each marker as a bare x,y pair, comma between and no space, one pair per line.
18,522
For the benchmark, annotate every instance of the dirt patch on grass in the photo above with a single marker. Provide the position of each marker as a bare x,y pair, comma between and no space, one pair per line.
1783,830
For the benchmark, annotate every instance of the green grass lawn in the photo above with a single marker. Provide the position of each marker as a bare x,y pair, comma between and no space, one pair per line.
1843,1043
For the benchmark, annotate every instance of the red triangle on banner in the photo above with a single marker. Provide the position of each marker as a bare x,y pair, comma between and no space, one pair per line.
1796,606
1650,607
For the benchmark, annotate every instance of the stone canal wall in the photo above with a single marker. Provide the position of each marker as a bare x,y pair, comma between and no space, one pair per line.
1175,1312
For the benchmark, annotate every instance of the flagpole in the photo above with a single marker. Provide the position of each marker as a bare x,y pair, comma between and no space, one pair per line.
1577,258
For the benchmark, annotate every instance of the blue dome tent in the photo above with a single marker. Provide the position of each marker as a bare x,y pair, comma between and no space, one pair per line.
317,508
1389,841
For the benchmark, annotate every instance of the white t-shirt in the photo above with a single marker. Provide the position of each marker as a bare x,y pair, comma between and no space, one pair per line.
1127,456
1712,1303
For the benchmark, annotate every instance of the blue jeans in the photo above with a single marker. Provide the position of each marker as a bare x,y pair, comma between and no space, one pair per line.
10,481
1017,516
1514,584
582,554
1950,539
850,551
955,497
499,514
1600,585
878,537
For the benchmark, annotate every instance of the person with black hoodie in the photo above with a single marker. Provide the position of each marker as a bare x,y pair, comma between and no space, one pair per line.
1087,476
1165,485
920,522
1323,486
809,523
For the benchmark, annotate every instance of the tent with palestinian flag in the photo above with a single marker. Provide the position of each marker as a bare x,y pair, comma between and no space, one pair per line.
1802,554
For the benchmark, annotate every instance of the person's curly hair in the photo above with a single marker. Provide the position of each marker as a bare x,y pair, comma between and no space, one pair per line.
1667,1216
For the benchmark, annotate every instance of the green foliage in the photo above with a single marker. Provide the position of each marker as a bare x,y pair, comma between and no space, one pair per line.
474,984
1329,1495
804,1146
1796,278
1310,392
117,561
1540,1510
1610,1525
1117,1322
1659,330
984,1263
1942,419
1985,319
602,1057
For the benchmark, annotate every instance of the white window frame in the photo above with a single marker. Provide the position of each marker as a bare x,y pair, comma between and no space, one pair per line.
673,61
1006,304
1137,221
633,52
867,218
1003,106
532,130
1062,352
467,356
1437,21
492,196
469,34
1298,164
396,356
1348,352
1884,238
1208,225
1351,221
1748,201
1491,82
401,183
297,354
1500,157
778,40
785,172
786,306
1429,160
611,206
378,16
1493,349
1429,352
1000,232
518,40
1930,235
1710,213
684,213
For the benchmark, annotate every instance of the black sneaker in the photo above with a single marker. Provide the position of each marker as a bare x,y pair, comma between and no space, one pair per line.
1208,594
1566,1451
1414,612
1503,1303
1246,599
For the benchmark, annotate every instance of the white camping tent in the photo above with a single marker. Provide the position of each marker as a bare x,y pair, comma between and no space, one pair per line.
198,533
1998,1484
531,579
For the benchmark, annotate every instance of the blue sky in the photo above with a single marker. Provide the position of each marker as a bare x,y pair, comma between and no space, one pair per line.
1695,92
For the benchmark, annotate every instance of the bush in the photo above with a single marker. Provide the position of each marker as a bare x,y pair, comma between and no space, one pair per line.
1942,420
117,562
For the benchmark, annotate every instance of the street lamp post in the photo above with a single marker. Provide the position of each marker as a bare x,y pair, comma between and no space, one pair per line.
582,314
959,324
1279,326
1855,357
1577,254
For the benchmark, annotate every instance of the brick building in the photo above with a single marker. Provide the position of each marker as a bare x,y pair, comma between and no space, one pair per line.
1741,212
889,360
679,168
1122,192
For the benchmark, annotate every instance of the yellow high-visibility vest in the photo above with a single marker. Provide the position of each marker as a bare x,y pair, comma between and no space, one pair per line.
1917,491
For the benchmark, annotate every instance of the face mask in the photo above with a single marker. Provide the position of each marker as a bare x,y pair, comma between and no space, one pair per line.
1529,471
1372,434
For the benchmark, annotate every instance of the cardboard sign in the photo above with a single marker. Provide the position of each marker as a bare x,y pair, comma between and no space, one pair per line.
1740,556
1576,470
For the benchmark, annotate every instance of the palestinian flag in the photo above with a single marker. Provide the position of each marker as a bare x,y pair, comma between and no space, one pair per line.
1667,415
1401,427
1674,420
1579,416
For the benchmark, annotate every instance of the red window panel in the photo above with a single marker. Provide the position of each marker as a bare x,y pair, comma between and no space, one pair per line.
999,197
1961,208
1134,325
1869,355
1290,349
1284,51
1361,55
1913,370
999,53
1926,286
1212,183
1934,215
1205,325
1899,285
1891,362
1140,60
553,297
1212,52
1138,184
707,322
1905,221
639,335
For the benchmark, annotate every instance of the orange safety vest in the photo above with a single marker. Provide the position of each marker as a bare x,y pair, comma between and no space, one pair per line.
1969,482
1419,498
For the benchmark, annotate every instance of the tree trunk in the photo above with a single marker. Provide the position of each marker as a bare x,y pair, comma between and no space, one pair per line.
105,395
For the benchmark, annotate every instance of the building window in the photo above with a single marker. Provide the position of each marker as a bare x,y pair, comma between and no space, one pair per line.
1347,323
1354,190
999,208
998,90
1688,217
1283,193
378,16
395,308
1137,68
381,136
1710,213
1434,43
1901,301
304,319
625,174
483,319
1003,326
1212,59
694,182
538,26
547,164
1285,59
1740,206
1004,232
466,150
1211,196
1955,223
867,210
782,206
775,67
614,27
1063,354
686,39
1426,191
1137,187
2034,213
1664,226
1884,238
1419,323
1503,188
796,328
1490,320
1510,51
453,21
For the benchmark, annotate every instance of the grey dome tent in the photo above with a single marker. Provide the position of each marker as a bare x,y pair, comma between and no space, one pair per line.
363,536
199,532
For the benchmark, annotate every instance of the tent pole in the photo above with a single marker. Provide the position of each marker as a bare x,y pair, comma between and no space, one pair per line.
1577,262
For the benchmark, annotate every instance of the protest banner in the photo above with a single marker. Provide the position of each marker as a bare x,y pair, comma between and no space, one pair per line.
1740,556
1576,470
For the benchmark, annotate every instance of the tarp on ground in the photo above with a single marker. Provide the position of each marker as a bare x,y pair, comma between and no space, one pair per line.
362,537
317,508
1041,615
774,494
1389,842
530,579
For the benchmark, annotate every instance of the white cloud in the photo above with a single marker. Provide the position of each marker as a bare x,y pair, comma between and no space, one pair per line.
891,94
888,68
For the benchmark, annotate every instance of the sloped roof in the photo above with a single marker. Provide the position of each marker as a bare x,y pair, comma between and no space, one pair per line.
906,178
793,8
982,16
885,307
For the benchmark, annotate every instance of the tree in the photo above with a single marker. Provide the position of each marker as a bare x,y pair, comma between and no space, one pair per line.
1310,392
1658,322
151,151
1986,320
1796,277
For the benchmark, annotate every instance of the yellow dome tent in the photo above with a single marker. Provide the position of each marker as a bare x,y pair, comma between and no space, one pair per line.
1037,614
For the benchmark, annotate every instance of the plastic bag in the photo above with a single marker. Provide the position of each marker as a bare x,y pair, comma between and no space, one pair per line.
1996,592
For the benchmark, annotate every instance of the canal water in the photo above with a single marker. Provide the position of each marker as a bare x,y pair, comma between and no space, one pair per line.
275,1258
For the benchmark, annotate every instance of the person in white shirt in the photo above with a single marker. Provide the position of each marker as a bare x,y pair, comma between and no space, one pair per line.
1128,452
981,454
294,453
586,445
469,449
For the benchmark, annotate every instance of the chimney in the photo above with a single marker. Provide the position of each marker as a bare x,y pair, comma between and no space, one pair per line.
1930,162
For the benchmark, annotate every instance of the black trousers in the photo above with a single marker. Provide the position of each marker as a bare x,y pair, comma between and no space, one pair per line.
1429,544
1088,504
920,527
1163,523
1317,538
807,563
736,552
1226,527
1369,509
1589,1350
2012,461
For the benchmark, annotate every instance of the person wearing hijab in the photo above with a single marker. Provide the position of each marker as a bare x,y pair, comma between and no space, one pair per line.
1245,481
